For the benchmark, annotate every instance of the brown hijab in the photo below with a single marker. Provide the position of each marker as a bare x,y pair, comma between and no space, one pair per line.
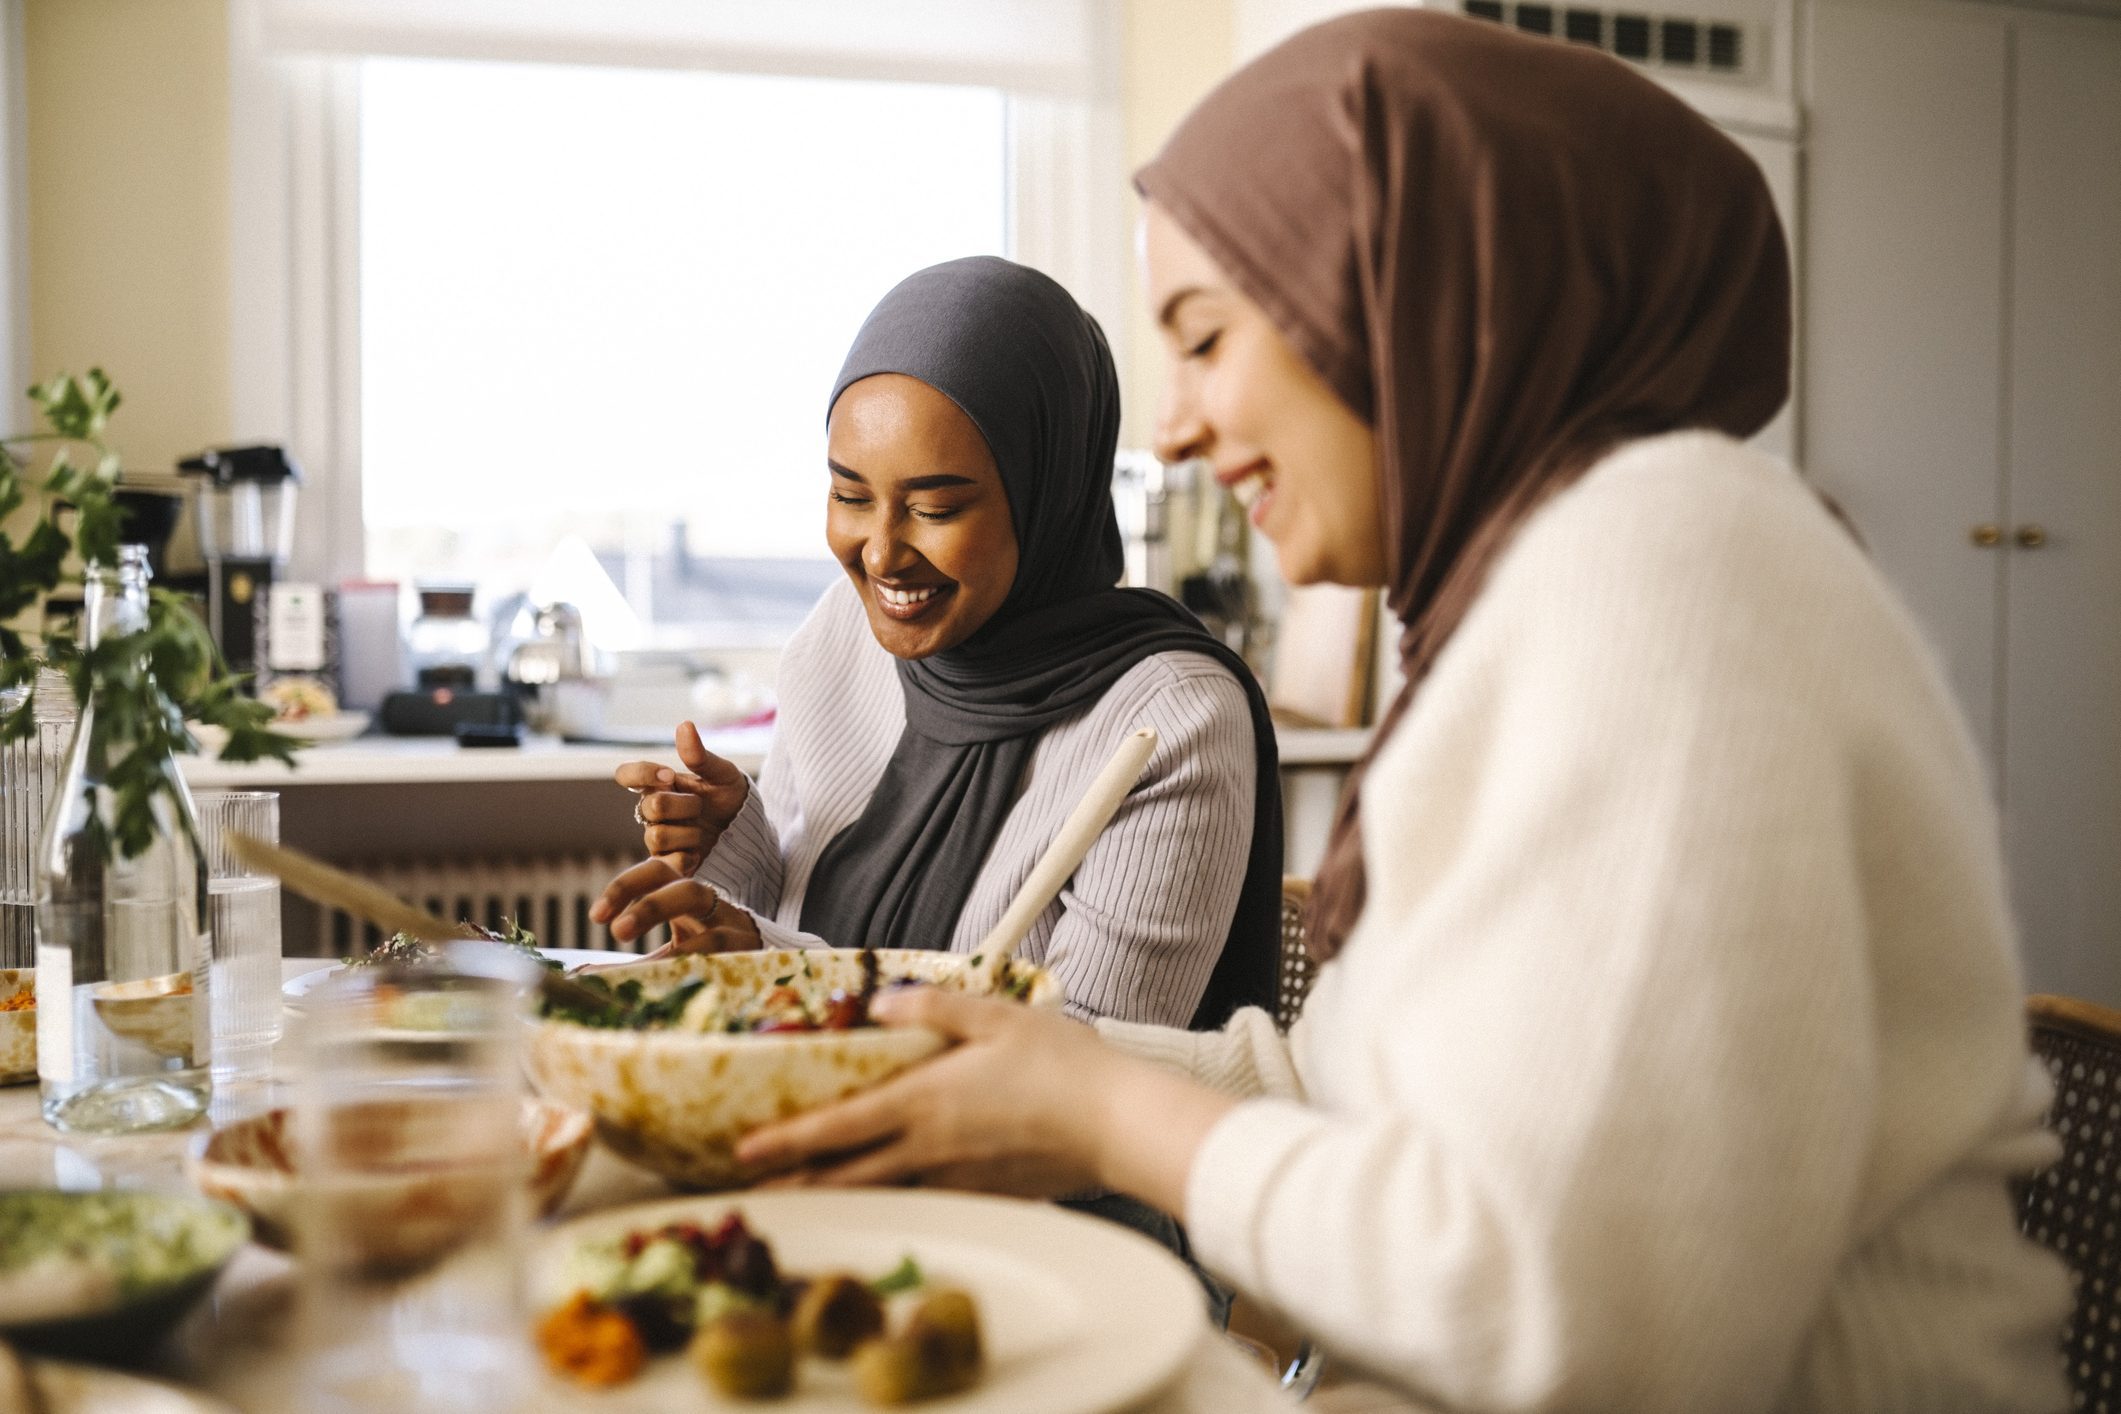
1506,254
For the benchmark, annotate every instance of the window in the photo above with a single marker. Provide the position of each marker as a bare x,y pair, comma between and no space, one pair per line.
600,311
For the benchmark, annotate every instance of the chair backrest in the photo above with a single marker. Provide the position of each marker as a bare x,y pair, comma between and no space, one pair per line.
2074,1206
1297,970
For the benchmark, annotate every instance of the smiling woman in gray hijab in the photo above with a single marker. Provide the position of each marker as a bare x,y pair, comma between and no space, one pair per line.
943,709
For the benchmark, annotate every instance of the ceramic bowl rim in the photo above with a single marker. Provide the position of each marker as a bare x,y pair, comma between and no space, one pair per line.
578,1127
861,1039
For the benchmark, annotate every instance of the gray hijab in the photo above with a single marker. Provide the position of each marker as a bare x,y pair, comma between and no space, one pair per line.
1031,369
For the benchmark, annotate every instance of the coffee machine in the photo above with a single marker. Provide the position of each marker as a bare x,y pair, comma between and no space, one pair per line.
245,507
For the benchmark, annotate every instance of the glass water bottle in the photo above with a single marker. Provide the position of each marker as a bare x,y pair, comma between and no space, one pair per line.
123,1039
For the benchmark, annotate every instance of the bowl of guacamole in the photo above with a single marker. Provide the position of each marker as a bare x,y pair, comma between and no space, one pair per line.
105,1275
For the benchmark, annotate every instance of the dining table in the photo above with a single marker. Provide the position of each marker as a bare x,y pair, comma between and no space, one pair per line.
239,1345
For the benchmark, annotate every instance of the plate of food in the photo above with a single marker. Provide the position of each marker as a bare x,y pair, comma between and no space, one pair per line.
302,707
105,1275
858,1299
405,950
332,726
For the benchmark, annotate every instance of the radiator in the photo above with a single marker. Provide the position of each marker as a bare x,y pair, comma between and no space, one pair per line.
550,897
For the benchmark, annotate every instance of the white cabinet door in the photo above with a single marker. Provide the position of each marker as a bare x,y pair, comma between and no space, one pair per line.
1903,315
1777,157
2062,634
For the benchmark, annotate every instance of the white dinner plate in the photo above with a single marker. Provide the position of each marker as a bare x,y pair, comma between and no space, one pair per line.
333,726
295,989
1077,1314
67,1388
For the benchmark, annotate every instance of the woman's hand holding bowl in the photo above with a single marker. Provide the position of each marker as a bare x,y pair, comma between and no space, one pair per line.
1025,1102
683,813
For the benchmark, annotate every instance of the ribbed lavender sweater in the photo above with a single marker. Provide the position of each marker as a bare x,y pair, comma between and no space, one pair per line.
1138,929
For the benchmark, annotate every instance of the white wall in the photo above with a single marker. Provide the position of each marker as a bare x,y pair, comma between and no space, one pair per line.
14,220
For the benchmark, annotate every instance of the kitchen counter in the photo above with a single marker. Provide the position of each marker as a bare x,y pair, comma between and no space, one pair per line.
522,819
428,760
407,760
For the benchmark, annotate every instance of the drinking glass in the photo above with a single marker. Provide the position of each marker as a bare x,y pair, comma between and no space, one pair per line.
245,907
28,771
409,1133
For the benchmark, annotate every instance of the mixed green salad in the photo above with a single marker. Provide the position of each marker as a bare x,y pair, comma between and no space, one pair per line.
404,950
67,1253
803,998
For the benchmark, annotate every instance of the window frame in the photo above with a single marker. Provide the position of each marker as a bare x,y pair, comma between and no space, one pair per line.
294,230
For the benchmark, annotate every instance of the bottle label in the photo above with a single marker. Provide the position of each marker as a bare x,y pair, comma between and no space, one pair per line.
295,628
55,1015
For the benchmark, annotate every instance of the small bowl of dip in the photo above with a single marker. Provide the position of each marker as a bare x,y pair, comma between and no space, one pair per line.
106,1275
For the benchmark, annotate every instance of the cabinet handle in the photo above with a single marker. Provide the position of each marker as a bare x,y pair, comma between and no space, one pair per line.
1986,535
2031,537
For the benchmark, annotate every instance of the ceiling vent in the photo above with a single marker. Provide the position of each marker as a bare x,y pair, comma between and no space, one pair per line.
1677,43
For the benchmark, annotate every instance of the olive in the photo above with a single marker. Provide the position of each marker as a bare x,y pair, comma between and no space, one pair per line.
903,1368
746,1355
954,1321
834,1315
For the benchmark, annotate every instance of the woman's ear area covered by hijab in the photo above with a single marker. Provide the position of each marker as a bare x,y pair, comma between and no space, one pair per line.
917,516
1241,398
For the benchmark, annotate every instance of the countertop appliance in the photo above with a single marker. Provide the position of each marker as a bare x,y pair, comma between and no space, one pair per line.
245,509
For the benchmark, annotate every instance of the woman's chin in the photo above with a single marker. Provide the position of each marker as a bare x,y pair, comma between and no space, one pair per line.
1303,562
910,642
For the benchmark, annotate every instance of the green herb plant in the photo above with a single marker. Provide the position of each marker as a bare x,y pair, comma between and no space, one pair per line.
146,682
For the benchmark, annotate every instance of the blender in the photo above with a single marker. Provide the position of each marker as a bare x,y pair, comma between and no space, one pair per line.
246,521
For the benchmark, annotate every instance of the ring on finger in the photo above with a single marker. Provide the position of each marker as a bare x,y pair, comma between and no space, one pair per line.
638,818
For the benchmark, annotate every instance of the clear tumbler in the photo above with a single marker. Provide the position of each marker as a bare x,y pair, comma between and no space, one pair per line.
409,1132
245,908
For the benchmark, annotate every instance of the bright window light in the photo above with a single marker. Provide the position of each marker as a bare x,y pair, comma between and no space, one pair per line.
609,303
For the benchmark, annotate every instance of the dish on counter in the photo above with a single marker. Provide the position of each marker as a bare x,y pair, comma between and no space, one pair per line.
746,1324
296,699
107,1274
333,726
251,1164
18,1025
675,1093
1015,1306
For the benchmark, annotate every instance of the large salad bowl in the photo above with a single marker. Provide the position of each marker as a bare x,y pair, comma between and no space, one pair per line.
677,1099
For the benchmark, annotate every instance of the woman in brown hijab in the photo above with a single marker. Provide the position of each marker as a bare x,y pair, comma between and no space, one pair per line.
1668,1054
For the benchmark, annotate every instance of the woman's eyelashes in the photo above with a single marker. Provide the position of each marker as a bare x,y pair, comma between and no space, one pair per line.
938,513
1201,348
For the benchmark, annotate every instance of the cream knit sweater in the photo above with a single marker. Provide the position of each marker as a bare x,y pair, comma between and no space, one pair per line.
1676,1064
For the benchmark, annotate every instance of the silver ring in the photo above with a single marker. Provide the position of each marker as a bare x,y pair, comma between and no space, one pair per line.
638,817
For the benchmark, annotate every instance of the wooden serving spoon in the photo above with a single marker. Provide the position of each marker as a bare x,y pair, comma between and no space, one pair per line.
371,903
1057,865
